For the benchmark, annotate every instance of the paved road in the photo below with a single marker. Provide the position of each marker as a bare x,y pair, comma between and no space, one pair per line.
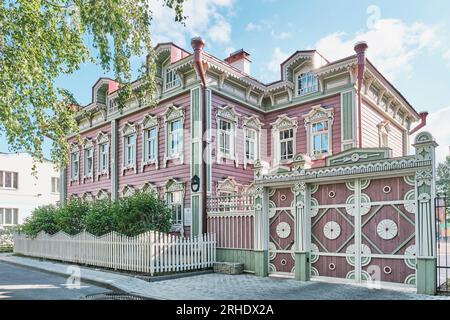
21,283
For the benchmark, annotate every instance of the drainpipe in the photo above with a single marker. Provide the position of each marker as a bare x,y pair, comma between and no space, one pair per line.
360,49
423,122
198,44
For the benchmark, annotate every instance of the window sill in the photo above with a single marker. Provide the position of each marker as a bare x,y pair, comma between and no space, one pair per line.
319,156
87,177
8,188
102,173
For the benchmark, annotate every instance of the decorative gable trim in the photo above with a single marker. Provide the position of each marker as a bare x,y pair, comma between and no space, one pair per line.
128,190
173,185
227,185
359,155
103,194
88,197
149,187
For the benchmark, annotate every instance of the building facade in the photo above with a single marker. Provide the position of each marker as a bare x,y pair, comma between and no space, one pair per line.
215,122
21,191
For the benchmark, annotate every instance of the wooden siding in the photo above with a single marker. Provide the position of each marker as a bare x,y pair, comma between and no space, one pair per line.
102,182
370,118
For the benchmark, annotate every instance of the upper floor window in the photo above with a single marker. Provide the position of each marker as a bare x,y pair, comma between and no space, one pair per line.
9,179
9,216
55,185
150,126
74,165
226,137
130,149
252,128
171,79
250,144
318,124
307,83
174,123
287,144
150,140
284,132
103,144
88,162
226,119
320,137
129,136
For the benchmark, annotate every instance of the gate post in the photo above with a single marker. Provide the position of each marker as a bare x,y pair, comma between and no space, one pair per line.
261,232
425,225
302,259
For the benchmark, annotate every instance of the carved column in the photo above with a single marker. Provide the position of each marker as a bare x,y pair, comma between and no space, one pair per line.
425,218
261,231
302,231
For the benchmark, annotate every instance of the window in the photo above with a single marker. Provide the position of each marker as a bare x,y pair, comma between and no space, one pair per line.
320,137
103,154
307,83
88,162
226,137
9,179
172,79
250,144
175,203
74,165
9,216
286,144
55,185
175,138
150,144
130,149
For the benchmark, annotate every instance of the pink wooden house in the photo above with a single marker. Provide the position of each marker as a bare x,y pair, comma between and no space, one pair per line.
252,144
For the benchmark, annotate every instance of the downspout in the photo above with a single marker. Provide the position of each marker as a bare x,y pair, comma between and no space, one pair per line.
360,49
423,122
198,44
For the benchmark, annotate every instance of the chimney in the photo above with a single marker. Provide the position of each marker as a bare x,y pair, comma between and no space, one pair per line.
241,60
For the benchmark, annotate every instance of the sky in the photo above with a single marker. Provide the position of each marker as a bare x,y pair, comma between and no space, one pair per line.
409,41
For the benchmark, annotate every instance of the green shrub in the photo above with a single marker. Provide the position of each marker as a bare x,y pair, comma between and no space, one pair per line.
130,216
42,219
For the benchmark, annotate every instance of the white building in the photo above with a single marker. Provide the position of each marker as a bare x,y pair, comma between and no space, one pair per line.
21,191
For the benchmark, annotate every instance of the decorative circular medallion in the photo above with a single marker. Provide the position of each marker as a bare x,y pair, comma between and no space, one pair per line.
331,266
272,213
314,210
283,230
411,279
365,207
365,251
410,206
314,253
387,189
272,268
283,197
272,248
314,272
283,262
387,270
332,194
387,229
331,230
410,259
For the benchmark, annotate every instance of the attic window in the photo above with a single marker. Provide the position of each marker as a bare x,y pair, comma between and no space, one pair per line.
307,83
172,79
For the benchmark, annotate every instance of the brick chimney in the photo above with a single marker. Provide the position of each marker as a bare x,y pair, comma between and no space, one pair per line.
241,60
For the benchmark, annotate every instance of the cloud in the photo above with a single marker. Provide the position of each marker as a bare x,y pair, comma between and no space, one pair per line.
437,125
206,18
446,56
393,44
278,57
281,35
267,25
254,27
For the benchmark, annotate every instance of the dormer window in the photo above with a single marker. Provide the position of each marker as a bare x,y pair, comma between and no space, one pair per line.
172,79
307,83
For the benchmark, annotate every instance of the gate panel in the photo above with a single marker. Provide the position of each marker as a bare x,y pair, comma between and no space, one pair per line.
281,231
332,231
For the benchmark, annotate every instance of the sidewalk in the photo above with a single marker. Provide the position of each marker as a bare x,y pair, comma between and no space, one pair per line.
214,286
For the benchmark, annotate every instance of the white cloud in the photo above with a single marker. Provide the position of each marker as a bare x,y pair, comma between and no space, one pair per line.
254,27
205,18
281,35
278,57
393,44
437,125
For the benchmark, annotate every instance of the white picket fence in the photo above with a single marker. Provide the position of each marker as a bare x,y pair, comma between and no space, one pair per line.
150,252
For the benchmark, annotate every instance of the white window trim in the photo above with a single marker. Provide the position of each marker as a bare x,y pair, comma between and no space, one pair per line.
3,220
74,149
297,87
149,187
127,191
88,197
57,186
176,83
227,113
103,138
13,180
127,130
383,129
318,114
283,123
173,113
103,194
88,145
173,185
148,123
252,123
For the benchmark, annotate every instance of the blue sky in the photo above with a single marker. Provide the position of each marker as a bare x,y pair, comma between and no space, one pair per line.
409,41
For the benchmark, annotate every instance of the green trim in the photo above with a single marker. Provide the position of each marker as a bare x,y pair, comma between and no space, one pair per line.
195,208
261,263
245,256
426,276
196,160
347,115
115,161
302,266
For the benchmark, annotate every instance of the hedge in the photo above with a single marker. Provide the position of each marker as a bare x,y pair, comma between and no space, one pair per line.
130,216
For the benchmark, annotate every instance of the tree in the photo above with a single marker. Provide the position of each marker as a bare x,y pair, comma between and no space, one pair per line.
43,39
443,177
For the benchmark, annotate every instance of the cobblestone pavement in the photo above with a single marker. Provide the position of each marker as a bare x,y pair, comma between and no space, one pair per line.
226,287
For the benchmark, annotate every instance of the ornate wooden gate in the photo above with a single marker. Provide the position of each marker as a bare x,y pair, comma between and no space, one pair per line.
281,231
364,229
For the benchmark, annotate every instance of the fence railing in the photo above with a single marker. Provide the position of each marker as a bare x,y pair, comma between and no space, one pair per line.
231,203
150,252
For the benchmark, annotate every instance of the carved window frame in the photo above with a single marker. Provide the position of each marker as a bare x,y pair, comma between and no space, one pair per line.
149,187
103,194
88,146
129,129
103,139
127,191
171,186
172,114
252,123
284,122
88,197
229,114
149,122
316,115
74,151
